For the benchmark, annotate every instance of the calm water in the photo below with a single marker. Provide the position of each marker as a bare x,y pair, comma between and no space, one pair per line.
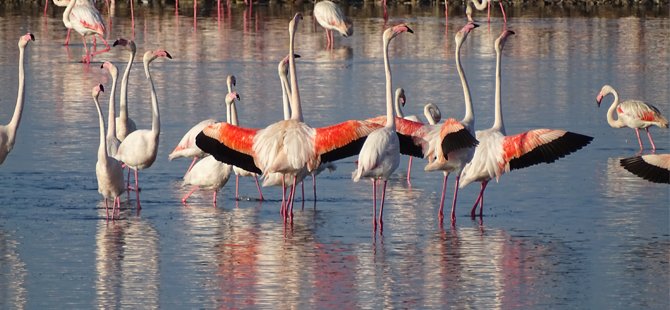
579,233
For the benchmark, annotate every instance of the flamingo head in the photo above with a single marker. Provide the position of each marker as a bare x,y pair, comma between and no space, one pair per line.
231,97
97,90
606,90
462,34
394,31
282,68
293,24
150,56
500,42
400,94
110,67
231,81
127,43
23,40
348,27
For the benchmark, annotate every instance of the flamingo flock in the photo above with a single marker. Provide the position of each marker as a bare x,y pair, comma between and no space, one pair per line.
284,152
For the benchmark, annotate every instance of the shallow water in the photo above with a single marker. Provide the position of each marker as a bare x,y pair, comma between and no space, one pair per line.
579,233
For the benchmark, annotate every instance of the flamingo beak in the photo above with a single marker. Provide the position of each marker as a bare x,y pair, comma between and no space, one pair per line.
599,99
32,37
238,97
168,55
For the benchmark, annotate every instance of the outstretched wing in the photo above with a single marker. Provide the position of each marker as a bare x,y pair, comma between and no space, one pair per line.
455,136
230,144
540,146
342,140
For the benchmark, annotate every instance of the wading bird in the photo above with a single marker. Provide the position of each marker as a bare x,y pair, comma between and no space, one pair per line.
330,17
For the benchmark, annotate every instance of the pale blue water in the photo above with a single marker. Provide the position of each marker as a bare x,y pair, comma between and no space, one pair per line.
579,233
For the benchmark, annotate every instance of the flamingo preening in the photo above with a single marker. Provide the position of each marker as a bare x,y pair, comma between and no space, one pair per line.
330,17
124,124
380,154
112,141
108,170
634,114
480,6
498,153
138,150
651,167
8,132
86,20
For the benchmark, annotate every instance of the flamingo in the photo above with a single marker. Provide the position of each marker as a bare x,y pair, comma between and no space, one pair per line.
634,114
432,113
112,142
108,170
286,146
186,146
8,132
330,17
498,153
138,150
481,5
380,154
124,124
651,167
232,119
400,100
208,173
85,20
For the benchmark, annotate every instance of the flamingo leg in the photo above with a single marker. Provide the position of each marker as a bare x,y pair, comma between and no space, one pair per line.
67,38
453,204
237,187
653,146
132,14
440,212
195,15
183,199
374,204
480,199
176,7
107,209
258,186
46,6
117,207
291,192
488,11
214,198
107,48
381,210
87,57
314,185
503,12
302,184
195,158
137,190
637,133
409,170
295,177
283,196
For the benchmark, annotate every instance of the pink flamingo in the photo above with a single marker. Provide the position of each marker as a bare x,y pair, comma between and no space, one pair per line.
498,153
634,114
380,154
330,17
138,150
651,167
85,20
8,132
112,141
108,170
481,5
286,146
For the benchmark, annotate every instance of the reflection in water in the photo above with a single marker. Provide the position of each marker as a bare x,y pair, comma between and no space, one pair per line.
13,293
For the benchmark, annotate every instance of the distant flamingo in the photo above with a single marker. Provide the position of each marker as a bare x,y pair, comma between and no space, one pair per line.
112,142
124,124
498,153
380,154
481,5
286,146
432,113
400,100
651,167
85,20
108,170
330,17
138,150
634,114
8,132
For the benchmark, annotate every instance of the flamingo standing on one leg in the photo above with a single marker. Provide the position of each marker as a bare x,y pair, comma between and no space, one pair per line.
138,150
330,17
651,167
498,153
380,154
485,4
108,170
634,114
8,132
112,141
86,20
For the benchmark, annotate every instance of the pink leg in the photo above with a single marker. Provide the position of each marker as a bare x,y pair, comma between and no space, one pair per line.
258,186
637,133
87,57
302,184
488,11
653,146
137,190
107,209
480,198
453,204
440,212
195,15
192,163
283,196
291,192
117,207
132,14
183,200
374,204
409,170
67,38
293,195
381,210
481,207
237,187
503,12
214,198
314,185
46,5
107,48
176,7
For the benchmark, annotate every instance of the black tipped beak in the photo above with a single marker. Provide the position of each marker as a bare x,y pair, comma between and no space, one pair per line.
238,97
511,32
102,65
598,103
296,56
102,88
168,55
32,37
115,43
475,25
410,30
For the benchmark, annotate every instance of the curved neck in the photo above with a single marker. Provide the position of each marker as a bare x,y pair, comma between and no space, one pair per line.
480,5
469,118
398,107
498,122
16,118
102,149
285,93
390,122
111,114
233,114
611,112
155,116
428,113
66,13
296,110
123,105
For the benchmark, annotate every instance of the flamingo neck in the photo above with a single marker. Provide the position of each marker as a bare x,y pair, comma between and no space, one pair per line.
155,114
398,107
16,117
66,14
498,123
469,118
390,121
611,112
123,102
233,114
480,5
111,117
102,149
285,93
296,110
428,113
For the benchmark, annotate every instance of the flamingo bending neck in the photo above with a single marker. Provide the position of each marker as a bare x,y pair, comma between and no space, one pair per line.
611,112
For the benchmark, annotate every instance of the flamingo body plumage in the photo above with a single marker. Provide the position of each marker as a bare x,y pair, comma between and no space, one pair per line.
86,20
208,174
331,18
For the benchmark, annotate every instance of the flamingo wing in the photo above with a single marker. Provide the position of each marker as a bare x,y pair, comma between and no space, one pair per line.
186,146
230,144
411,135
88,17
642,111
455,136
342,140
651,167
539,146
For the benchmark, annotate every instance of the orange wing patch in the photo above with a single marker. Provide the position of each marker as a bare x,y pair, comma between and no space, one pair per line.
403,126
95,27
339,135
237,138
649,116
450,126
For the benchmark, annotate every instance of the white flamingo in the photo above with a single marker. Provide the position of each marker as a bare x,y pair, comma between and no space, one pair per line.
108,170
86,20
380,154
8,132
208,174
651,167
112,141
138,150
634,114
480,6
330,17
498,153
124,124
